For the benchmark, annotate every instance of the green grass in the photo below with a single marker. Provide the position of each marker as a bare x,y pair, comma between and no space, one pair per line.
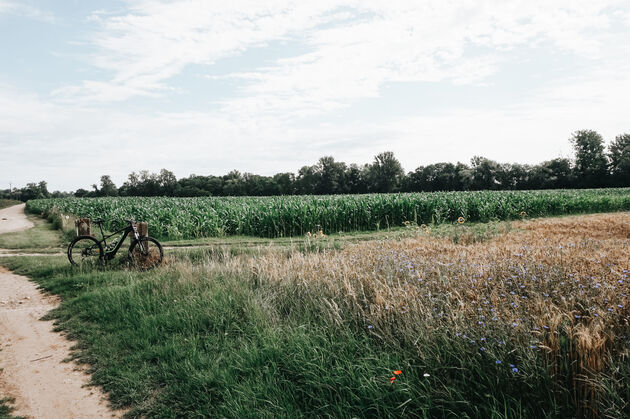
5,408
286,216
5,203
43,237
201,337
186,342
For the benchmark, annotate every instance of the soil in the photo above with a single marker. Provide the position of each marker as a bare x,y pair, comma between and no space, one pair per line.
13,219
33,367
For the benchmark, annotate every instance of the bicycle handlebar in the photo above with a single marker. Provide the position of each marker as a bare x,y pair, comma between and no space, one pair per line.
101,221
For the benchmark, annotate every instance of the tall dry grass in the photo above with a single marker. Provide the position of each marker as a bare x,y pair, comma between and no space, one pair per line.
553,291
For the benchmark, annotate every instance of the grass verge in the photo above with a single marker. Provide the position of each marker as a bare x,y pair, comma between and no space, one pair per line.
44,236
5,203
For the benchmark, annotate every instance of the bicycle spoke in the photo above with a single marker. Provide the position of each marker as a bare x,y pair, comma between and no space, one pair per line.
85,252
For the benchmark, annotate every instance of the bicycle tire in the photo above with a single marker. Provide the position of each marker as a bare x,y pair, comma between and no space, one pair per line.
84,251
153,257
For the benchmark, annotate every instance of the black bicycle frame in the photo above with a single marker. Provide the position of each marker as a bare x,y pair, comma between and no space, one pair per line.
109,254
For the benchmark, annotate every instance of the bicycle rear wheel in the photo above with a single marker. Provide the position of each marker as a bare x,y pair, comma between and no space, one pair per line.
85,251
147,256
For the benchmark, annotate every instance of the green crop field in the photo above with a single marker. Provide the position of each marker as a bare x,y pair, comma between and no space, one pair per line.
285,216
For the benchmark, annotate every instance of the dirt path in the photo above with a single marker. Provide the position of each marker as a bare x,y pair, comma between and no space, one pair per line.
31,356
13,219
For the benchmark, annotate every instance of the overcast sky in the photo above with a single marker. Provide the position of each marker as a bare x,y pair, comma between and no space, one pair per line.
201,86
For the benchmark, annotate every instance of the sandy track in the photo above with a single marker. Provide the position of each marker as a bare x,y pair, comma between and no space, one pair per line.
13,219
31,355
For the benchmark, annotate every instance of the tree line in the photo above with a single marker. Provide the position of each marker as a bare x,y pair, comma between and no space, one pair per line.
593,166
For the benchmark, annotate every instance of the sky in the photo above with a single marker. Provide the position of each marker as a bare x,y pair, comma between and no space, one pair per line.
203,87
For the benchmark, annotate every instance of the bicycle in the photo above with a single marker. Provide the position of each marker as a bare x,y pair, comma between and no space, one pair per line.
144,252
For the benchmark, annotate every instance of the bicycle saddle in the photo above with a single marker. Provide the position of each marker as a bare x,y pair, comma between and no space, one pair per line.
97,221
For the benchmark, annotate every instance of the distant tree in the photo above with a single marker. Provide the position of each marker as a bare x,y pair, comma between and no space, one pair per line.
43,188
538,178
590,162
214,185
619,153
149,184
285,183
34,191
355,179
233,184
80,193
146,183
307,180
444,176
61,194
167,181
484,173
385,174
256,185
193,186
131,186
413,181
108,188
513,176
330,176
560,173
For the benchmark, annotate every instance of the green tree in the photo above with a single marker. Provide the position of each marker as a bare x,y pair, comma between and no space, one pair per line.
484,173
559,171
385,174
233,184
80,193
354,179
34,191
591,167
108,188
330,176
307,180
619,153
513,176
285,182
167,181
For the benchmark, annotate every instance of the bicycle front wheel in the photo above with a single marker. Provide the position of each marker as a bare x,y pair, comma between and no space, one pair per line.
145,253
85,251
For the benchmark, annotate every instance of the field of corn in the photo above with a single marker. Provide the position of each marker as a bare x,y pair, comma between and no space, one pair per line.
285,216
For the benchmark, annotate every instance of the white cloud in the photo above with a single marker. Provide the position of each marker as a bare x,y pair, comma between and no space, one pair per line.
355,46
23,9
284,113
